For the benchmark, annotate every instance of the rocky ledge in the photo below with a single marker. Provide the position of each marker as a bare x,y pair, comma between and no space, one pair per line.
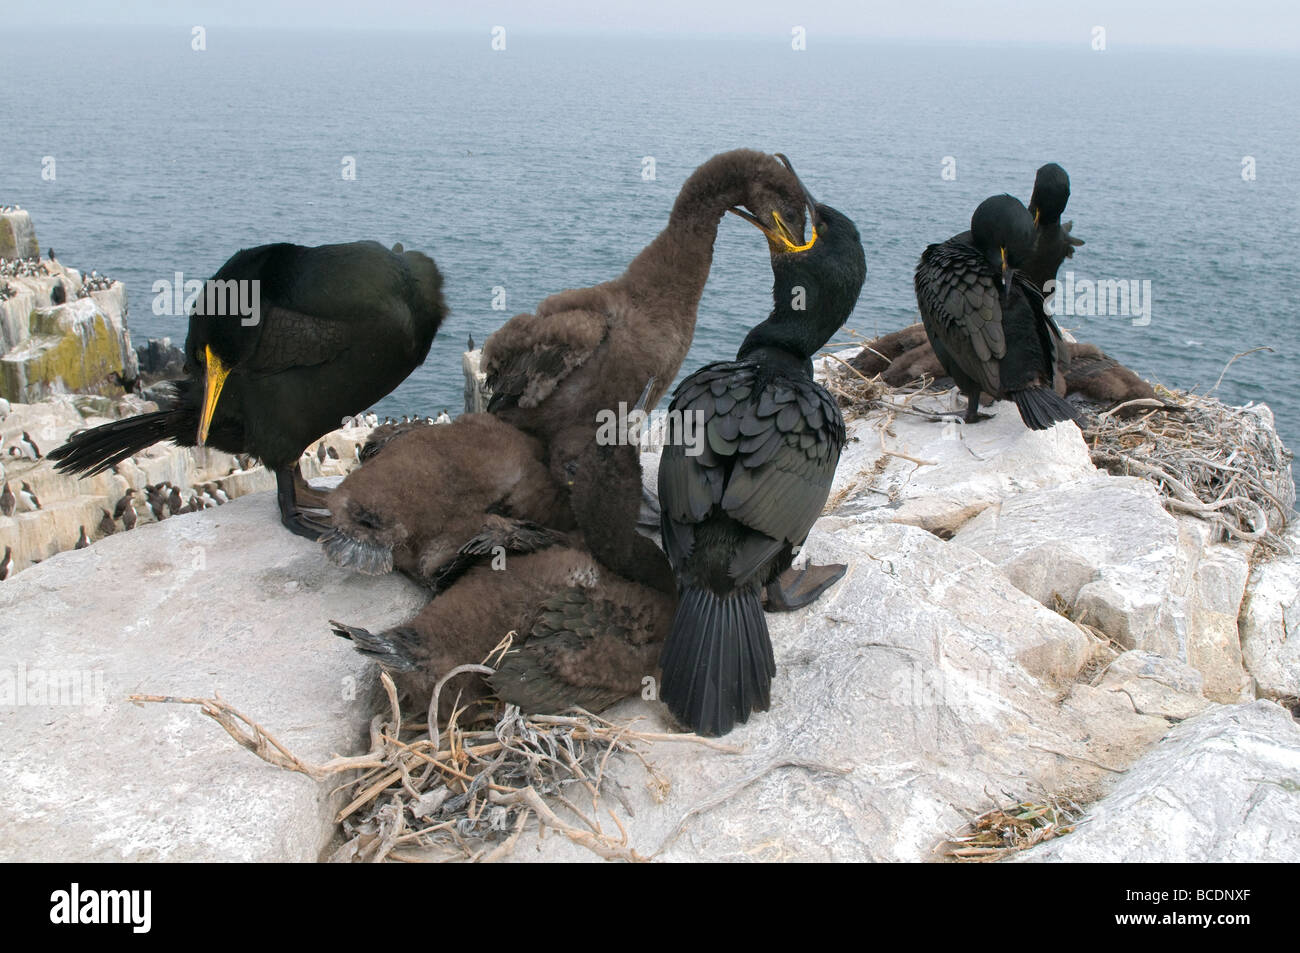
1015,625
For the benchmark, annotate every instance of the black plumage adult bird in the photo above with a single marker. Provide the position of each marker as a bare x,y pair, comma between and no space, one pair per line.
732,514
1053,242
334,328
985,319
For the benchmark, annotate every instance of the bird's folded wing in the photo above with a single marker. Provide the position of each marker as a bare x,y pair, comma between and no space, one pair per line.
782,444
959,299
582,650
532,353
289,339
790,443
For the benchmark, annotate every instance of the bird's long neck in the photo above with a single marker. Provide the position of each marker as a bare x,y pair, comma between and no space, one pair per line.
789,337
681,255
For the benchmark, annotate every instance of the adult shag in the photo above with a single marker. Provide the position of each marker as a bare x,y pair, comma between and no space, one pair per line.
732,515
284,342
1053,242
593,349
985,317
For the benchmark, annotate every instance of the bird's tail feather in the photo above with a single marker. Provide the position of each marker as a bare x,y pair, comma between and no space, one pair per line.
1042,407
98,449
718,662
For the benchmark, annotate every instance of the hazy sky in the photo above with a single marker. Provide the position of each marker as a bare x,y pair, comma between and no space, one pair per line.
1232,24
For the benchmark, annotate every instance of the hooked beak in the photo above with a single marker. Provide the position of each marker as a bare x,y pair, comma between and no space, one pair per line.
214,378
781,239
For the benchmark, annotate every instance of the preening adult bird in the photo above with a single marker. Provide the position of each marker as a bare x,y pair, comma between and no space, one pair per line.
732,514
985,318
1053,241
284,342
593,349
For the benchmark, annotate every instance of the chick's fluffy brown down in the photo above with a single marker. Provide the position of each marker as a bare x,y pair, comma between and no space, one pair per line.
434,493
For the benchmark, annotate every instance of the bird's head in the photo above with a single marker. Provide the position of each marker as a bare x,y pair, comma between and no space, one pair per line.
1051,194
219,339
364,532
777,204
816,283
1003,232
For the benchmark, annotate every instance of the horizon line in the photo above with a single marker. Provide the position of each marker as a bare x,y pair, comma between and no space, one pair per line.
572,31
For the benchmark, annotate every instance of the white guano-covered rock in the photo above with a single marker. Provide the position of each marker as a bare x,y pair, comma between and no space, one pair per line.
1270,623
1223,787
224,600
918,684
1107,547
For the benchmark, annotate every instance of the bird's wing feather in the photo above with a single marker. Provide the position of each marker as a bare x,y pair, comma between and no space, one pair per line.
767,459
532,353
581,650
288,339
958,296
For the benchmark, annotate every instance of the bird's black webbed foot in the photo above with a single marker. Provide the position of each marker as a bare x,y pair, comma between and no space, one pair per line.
798,588
973,414
294,517
306,496
300,524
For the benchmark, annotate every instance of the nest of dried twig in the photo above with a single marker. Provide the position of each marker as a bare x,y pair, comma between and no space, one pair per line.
470,794
1001,832
1224,464
857,394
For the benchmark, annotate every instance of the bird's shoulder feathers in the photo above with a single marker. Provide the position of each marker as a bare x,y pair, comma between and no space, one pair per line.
532,353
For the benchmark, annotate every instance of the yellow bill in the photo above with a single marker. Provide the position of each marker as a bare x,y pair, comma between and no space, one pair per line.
214,378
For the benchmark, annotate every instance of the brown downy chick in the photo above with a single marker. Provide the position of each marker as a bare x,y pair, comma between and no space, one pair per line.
583,636
432,499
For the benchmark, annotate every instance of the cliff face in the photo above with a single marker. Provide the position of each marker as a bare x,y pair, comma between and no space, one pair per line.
69,503
56,335
17,236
